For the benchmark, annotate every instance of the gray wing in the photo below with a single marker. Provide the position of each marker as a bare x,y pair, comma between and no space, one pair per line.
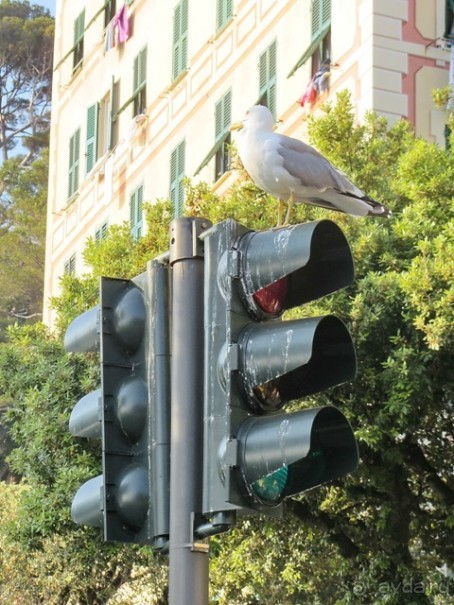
311,168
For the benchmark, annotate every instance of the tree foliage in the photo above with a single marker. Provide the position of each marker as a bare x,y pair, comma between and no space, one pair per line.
26,48
383,534
26,45
22,238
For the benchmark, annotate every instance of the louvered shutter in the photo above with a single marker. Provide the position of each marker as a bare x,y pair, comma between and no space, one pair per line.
321,16
79,29
268,77
223,115
224,12
177,173
74,159
180,39
91,147
136,212
272,78
140,82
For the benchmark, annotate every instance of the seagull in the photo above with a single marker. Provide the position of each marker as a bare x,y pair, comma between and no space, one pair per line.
293,171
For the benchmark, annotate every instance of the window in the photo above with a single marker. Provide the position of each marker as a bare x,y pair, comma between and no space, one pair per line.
70,265
140,83
224,12
91,146
180,39
321,33
99,131
110,8
267,78
176,179
78,49
319,50
136,212
223,119
105,125
100,233
222,139
74,159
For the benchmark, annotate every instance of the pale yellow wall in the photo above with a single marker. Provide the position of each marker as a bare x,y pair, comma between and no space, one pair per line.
427,21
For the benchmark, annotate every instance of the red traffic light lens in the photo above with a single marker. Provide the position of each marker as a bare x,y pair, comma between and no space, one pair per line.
271,299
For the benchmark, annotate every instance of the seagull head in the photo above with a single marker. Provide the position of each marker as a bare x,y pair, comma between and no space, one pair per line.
257,117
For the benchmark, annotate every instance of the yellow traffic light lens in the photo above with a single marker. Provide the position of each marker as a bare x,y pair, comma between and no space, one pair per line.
269,395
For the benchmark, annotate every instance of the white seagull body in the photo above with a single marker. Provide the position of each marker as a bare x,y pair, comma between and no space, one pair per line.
294,171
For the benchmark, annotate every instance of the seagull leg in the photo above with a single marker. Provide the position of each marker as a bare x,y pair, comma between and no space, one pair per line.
291,201
280,209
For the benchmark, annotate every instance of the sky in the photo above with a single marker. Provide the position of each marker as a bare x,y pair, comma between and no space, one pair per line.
49,4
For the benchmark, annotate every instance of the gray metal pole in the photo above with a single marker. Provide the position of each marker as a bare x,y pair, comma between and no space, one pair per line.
188,560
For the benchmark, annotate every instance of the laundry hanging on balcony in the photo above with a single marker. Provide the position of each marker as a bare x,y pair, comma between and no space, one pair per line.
317,84
109,36
122,23
117,31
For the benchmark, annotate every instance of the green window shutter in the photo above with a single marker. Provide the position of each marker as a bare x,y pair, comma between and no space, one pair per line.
223,115
272,78
70,265
184,35
79,28
100,233
74,159
140,82
140,70
218,119
224,12
321,25
136,214
91,147
220,13
268,77
316,13
262,73
180,39
112,118
321,16
177,173
223,120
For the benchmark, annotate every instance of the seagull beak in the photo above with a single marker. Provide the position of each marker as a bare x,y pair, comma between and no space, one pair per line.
236,126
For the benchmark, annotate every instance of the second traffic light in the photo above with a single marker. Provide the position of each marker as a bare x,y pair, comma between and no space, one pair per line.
131,410
255,363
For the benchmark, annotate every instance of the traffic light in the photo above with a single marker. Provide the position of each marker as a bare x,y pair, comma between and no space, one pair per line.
131,410
255,456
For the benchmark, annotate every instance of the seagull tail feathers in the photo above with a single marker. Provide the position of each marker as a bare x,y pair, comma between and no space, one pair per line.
376,209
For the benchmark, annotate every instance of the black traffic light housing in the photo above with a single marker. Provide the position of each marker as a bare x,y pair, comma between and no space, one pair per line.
255,363
131,410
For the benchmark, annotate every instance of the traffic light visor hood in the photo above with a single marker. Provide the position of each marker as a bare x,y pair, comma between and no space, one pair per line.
282,361
287,454
292,266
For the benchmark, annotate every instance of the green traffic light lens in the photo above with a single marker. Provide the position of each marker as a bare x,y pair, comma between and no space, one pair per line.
271,487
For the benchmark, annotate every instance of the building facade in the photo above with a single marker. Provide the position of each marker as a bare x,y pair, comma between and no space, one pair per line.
144,93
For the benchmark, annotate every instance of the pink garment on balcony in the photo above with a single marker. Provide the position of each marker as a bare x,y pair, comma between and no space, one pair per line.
122,22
